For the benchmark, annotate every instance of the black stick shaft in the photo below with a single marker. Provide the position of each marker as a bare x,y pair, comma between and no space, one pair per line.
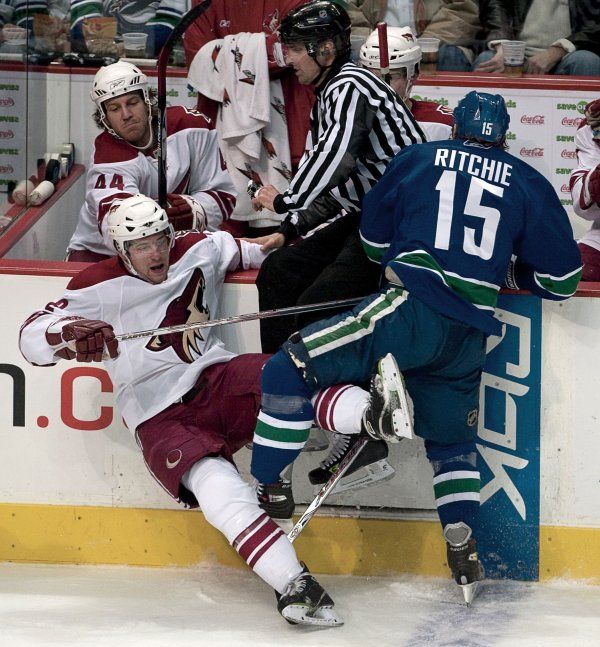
163,59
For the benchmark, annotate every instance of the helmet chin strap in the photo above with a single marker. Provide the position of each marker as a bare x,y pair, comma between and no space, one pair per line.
323,69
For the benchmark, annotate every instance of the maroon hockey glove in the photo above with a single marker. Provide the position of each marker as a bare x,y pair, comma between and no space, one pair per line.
592,115
91,339
185,213
594,185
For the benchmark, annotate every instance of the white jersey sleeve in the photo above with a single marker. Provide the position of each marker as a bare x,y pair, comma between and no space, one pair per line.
588,158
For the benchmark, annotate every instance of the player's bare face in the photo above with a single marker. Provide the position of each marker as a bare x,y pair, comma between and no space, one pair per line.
150,257
304,65
127,115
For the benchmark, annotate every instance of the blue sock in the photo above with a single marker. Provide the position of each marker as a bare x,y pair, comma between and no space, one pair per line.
284,421
456,482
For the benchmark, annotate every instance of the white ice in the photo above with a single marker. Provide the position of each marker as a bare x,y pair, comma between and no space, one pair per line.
216,606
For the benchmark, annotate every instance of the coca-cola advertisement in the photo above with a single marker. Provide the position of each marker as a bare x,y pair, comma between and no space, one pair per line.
574,122
532,152
533,120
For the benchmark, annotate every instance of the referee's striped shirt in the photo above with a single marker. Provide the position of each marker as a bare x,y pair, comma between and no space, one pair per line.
358,124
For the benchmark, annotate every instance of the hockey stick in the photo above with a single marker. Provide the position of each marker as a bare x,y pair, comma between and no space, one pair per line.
163,58
326,490
384,57
250,316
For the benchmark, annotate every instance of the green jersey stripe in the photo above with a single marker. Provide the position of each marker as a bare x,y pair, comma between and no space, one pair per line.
561,286
481,294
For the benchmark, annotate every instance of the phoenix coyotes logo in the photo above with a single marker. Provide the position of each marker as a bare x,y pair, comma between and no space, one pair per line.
187,308
279,107
238,57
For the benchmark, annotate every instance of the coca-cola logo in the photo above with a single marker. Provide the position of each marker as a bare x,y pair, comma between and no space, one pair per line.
7,102
6,134
7,169
565,188
535,120
571,121
567,154
532,152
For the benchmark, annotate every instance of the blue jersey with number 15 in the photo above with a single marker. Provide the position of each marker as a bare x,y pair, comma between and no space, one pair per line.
447,217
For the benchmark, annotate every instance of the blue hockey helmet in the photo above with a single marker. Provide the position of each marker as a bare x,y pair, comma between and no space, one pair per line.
481,116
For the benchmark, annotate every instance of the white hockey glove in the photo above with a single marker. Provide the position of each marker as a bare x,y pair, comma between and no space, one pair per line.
252,256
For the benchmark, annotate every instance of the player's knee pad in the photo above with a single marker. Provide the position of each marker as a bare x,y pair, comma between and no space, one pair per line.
227,501
284,392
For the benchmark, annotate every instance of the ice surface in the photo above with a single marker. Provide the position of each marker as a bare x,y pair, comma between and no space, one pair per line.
216,606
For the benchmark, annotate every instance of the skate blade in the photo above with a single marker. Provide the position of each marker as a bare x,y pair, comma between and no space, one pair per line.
469,591
303,615
402,418
364,477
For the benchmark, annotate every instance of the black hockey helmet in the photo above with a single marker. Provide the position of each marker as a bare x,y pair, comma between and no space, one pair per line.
315,22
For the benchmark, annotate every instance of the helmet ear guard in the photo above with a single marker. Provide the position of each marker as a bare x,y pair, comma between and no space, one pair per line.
481,116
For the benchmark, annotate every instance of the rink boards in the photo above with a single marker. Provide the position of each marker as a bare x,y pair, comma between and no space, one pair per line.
74,488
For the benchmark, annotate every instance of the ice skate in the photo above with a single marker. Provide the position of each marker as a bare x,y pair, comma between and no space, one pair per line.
277,500
461,550
370,466
389,414
305,602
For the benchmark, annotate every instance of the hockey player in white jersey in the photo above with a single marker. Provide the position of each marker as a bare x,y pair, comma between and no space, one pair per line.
404,59
585,188
190,402
201,193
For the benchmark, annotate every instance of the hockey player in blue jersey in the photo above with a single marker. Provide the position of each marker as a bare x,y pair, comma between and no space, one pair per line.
450,222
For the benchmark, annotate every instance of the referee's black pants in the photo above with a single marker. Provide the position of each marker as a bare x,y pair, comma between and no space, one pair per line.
328,265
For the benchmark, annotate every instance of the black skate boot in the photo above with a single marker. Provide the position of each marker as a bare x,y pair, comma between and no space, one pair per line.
461,551
305,602
370,466
277,500
389,414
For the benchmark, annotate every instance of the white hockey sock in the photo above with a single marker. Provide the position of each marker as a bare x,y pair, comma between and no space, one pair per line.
340,408
230,505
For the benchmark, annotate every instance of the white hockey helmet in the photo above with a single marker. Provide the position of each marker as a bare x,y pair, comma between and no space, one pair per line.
113,81
403,51
134,218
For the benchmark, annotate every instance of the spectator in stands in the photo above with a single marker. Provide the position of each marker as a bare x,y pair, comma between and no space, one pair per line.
404,56
561,37
585,188
19,18
454,22
228,17
156,19
123,162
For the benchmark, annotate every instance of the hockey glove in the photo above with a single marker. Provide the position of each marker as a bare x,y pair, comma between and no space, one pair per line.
593,185
185,213
86,340
592,115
